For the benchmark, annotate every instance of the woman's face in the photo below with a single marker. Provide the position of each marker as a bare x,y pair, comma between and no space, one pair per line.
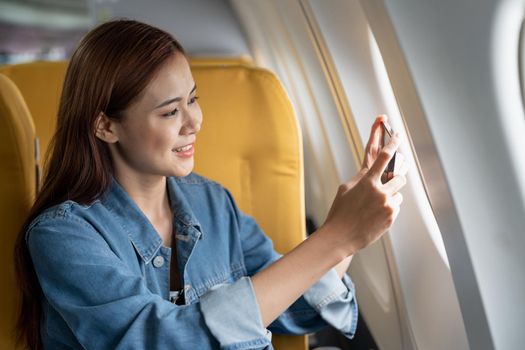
163,119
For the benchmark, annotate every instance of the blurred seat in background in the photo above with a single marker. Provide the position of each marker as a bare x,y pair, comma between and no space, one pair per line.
17,190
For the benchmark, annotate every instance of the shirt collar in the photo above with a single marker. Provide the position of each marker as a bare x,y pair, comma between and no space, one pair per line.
179,204
140,230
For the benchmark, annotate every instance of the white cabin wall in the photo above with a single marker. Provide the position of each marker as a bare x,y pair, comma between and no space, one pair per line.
414,248
462,61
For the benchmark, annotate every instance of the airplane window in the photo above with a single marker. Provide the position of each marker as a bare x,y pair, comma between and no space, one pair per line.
416,259
396,120
361,86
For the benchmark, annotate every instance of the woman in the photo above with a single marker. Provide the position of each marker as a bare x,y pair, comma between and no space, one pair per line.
123,248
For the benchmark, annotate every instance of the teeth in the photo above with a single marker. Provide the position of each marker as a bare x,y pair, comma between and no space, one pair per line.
183,149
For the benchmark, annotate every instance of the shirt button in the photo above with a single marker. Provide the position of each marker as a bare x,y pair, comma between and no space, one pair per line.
158,261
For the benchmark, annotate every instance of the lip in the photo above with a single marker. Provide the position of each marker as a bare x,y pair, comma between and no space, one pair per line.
187,144
186,154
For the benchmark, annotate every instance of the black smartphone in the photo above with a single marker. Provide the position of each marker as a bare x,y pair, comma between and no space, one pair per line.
387,135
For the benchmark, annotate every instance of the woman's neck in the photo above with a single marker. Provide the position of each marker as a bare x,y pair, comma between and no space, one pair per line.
149,193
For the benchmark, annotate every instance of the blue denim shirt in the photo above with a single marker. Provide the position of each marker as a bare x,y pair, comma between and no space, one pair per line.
104,274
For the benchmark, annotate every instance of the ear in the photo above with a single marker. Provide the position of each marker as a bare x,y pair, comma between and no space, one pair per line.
105,128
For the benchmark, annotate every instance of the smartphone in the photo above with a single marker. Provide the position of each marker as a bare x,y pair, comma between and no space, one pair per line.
387,135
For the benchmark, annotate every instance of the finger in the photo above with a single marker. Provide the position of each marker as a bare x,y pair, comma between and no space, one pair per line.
376,136
384,156
377,132
396,184
376,129
396,200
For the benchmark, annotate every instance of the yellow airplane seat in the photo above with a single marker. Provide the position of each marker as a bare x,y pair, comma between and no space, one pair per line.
221,61
250,142
17,190
41,85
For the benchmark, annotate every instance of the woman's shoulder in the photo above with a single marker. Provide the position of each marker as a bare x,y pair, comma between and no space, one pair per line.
68,210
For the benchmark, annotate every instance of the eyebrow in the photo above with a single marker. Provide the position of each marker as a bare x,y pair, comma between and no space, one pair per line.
176,99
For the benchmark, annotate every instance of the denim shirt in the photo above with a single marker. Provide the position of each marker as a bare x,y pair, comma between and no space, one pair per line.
104,274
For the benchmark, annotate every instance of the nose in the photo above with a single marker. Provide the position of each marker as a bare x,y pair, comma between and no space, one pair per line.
192,124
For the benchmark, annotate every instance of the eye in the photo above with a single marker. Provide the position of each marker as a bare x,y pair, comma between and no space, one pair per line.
172,113
193,100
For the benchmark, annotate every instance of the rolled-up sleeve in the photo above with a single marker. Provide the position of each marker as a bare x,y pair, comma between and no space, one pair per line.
330,301
107,305
334,299
223,318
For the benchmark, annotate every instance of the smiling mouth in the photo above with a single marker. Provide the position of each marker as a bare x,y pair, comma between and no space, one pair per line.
187,148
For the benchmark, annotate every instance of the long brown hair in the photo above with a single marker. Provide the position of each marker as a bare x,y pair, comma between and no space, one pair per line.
109,70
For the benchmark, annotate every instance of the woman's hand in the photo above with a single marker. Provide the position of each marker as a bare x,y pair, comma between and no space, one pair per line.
364,208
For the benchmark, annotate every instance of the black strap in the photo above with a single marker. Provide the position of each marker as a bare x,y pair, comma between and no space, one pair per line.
179,299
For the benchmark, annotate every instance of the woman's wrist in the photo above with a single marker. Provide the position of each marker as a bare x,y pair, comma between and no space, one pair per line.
343,266
335,245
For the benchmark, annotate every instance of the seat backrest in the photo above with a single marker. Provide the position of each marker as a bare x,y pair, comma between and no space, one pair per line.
17,190
250,142
41,84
